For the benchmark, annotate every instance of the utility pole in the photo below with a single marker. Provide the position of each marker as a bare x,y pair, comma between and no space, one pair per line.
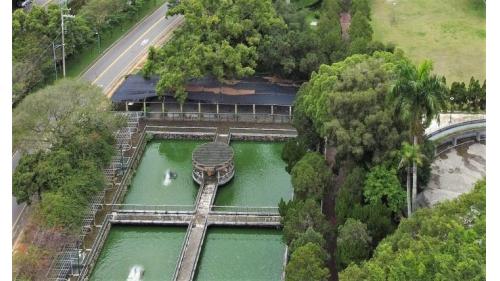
63,10
54,54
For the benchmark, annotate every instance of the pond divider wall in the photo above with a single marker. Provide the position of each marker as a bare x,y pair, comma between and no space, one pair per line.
92,257
134,162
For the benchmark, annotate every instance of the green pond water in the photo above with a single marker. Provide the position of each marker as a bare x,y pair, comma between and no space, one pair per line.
260,178
232,254
156,249
228,253
148,186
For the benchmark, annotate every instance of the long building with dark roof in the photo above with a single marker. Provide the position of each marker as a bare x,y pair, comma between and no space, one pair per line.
248,91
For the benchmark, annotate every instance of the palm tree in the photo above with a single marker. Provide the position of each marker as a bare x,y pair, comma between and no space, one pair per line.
410,154
418,97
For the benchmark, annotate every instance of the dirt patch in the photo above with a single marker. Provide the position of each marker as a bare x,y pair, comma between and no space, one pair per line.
345,22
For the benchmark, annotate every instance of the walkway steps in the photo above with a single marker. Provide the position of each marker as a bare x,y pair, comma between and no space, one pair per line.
206,199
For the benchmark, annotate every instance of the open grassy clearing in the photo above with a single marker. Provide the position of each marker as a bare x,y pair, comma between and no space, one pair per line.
450,32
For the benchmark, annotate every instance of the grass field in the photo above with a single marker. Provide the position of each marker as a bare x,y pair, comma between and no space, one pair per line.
77,64
452,33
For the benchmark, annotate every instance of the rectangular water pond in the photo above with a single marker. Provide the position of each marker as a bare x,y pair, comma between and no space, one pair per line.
232,254
155,248
260,178
149,185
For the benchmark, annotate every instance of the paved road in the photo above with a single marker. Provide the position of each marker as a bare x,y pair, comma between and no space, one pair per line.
16,208
127,52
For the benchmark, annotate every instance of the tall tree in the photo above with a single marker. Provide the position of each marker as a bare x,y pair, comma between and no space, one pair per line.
346,102
298,216
382,186
418,96
353,243
311,177
307,263
42,118
409,155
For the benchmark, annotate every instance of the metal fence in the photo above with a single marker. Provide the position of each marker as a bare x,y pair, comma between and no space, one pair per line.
91,258
220,117
244,210
64,263
141,208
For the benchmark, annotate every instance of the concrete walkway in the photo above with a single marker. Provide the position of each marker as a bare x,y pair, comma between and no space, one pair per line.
453,173
447,119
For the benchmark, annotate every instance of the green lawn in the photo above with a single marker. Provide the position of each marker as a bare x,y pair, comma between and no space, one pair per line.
452,33
76,65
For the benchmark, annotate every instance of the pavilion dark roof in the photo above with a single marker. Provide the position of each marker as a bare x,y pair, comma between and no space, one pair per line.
136,88
213,154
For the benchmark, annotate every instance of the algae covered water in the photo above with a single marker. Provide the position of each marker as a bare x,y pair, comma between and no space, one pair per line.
154,248
150,186
237,254
260,178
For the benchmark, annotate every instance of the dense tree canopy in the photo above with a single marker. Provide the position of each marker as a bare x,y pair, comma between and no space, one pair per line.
43,118
471,98
218,38
310,236
298,216
353,243
382,185
307,263
446,242
66,131
311,177
346,102
35,31
292,152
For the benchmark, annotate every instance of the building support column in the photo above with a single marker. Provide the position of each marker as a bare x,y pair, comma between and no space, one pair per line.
236,112
272,109
144,106
126,106
290,111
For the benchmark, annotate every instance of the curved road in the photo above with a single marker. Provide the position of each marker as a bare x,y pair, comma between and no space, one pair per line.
121,57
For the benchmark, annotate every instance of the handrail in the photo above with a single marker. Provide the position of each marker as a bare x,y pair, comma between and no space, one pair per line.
183,250
243,210
456,125
94,252
198,249
285,258
151,208
133,158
